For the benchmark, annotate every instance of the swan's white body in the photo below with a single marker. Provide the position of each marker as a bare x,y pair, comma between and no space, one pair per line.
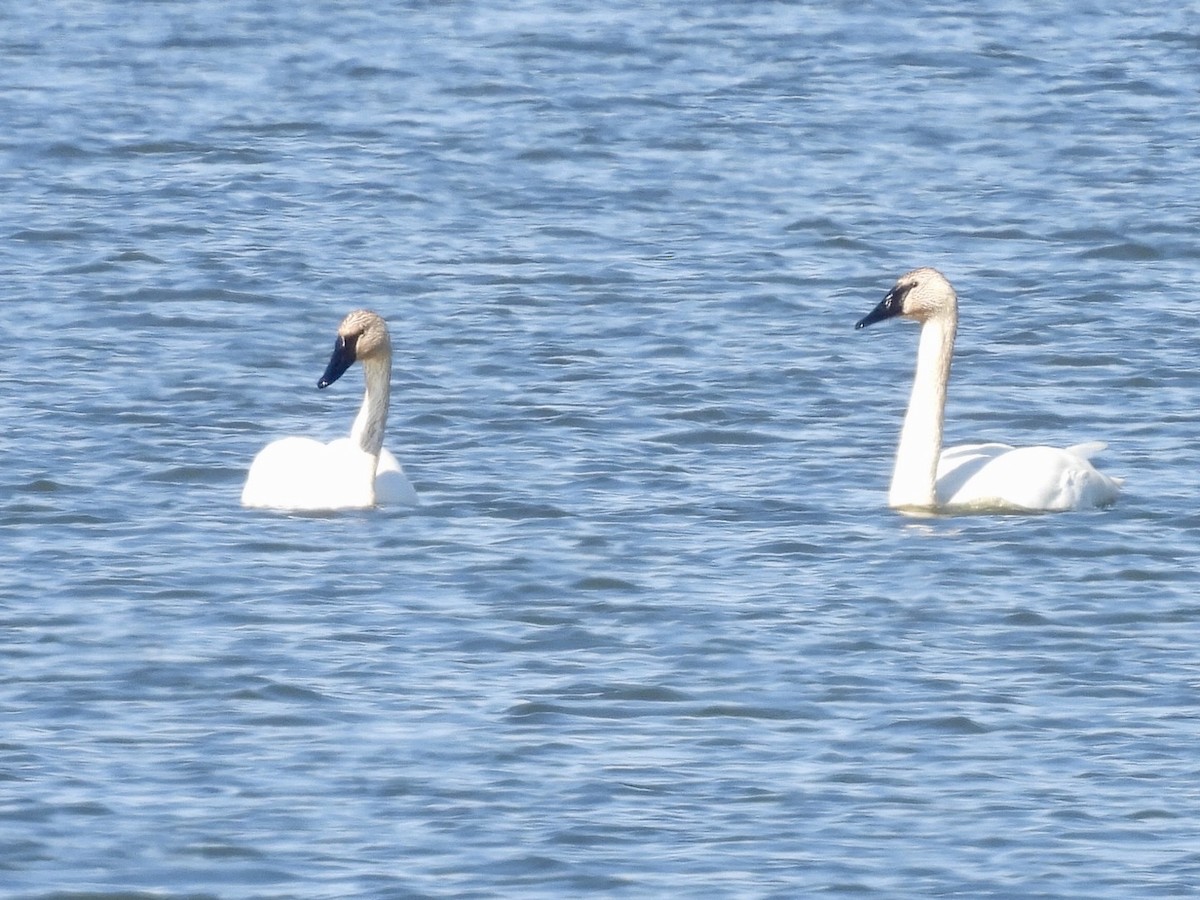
971,477
299,473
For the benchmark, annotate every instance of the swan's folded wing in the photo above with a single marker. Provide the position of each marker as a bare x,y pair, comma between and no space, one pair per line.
300,473
392,486
958,466
985,476
281,476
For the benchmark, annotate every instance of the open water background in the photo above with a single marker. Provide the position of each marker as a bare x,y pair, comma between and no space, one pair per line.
653,631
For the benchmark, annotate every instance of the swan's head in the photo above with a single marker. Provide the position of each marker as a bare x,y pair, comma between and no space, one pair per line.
362,336
920,294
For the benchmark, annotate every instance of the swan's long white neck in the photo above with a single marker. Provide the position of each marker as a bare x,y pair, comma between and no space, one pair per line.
914,480
371,420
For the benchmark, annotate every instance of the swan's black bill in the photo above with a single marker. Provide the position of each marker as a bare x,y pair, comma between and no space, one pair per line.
339,362
889,306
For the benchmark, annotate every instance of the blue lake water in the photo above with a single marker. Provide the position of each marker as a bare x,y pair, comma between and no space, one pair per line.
653,630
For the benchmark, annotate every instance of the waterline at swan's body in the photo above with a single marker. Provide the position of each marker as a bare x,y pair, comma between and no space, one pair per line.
971,477
300,473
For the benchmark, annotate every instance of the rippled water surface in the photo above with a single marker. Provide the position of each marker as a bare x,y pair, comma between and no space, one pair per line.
652,631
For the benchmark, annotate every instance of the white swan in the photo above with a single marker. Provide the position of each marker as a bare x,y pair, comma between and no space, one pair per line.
300,473
977,477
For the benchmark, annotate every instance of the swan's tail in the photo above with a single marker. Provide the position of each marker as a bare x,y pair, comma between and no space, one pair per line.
1088,449
1109,485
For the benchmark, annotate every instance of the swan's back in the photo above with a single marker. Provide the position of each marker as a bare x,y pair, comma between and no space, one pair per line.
997,476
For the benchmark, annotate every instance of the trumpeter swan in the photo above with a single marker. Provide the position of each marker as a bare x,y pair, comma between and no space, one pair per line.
300,473
977,477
